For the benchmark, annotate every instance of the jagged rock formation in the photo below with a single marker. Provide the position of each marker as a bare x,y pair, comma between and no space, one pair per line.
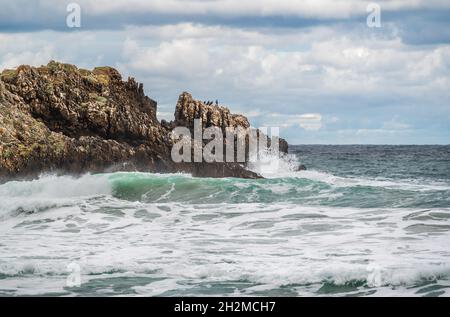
58,118
188,109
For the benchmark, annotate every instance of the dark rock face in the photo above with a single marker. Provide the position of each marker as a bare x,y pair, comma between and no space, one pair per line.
301,168
220,170
284,147
58,118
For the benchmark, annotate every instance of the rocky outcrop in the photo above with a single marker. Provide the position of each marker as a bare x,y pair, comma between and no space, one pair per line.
59,118
188,109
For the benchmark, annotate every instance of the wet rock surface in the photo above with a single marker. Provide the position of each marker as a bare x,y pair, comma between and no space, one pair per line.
59,118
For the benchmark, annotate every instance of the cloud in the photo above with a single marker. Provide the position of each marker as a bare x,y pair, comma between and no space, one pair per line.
306,121
302,8
11,60
310,121
414,16
183,57
333,63
395,125
320,82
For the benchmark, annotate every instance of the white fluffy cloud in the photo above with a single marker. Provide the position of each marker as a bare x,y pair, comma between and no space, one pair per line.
322,83
308,62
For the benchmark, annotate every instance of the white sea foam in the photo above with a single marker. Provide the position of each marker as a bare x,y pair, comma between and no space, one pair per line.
405,184
50,191
251,248
270,165
273,165
185,248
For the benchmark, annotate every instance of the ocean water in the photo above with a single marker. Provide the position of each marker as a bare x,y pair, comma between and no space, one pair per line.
361,221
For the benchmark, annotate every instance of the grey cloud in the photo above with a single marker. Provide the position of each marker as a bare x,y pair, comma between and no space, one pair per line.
334,67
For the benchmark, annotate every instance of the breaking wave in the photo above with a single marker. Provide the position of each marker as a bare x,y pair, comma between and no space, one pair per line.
315,232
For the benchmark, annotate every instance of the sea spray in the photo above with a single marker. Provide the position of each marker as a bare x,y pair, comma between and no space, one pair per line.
341,228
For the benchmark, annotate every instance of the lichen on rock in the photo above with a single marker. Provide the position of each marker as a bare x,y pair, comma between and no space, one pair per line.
60,118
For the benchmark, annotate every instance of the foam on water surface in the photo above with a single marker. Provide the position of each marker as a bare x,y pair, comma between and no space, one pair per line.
294,233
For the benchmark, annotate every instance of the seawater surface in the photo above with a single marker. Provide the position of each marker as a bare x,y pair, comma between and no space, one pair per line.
362,221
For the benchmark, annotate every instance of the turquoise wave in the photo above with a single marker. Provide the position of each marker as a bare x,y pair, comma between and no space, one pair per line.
312,188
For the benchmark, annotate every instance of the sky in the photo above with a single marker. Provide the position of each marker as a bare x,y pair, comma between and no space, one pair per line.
313,68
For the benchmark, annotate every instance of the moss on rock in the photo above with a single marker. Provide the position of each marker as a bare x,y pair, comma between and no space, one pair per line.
8,75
